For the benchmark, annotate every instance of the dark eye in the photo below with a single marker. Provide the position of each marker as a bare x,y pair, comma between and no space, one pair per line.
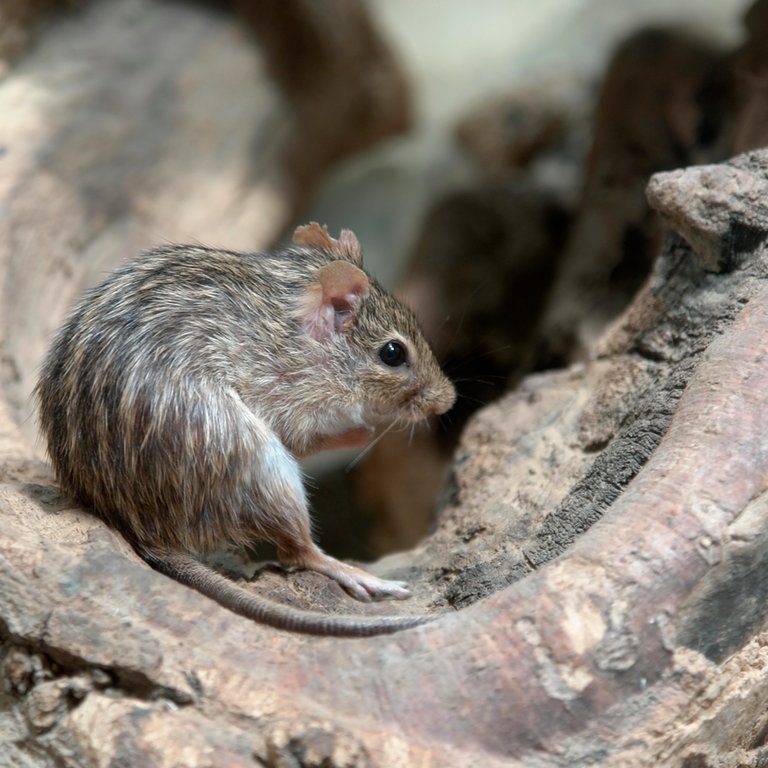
393,354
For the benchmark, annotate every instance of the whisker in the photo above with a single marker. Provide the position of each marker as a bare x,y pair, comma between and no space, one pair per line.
476,380
368,448
478,400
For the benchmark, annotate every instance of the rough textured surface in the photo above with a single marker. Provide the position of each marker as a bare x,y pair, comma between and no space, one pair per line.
720,210
596,576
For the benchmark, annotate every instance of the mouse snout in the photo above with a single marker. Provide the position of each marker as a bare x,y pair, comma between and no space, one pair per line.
430,400
443,405
445,397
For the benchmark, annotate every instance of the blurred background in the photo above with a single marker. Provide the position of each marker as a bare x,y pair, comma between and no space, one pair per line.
459,57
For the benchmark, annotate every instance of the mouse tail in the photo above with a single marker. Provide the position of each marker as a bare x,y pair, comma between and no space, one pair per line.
191,572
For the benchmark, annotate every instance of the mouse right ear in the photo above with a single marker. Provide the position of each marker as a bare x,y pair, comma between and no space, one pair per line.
330,305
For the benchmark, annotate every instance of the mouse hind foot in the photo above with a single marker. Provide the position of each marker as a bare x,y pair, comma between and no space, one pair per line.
358,583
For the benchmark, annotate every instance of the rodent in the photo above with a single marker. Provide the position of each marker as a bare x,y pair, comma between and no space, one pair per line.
179,394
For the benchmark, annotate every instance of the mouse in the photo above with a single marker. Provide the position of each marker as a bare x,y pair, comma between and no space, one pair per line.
179,396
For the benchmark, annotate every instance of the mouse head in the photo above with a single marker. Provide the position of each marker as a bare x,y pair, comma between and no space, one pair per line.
395,372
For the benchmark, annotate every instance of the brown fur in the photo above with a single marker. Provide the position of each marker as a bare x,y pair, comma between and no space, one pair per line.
179,393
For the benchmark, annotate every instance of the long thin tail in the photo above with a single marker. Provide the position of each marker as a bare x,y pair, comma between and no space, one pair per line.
191,572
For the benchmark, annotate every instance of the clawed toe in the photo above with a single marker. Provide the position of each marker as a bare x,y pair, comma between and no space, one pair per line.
357,582
375,588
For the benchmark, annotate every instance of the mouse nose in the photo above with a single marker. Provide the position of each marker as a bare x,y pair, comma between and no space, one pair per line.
442,406
446,399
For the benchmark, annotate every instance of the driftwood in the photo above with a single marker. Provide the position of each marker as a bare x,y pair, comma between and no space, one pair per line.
595,577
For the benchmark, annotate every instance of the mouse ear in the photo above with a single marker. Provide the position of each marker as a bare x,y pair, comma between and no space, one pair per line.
330,304
314,235
350,246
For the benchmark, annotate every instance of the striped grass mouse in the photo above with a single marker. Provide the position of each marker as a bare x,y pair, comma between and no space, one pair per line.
180,393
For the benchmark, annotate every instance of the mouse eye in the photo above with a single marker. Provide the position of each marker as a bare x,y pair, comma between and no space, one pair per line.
393,354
